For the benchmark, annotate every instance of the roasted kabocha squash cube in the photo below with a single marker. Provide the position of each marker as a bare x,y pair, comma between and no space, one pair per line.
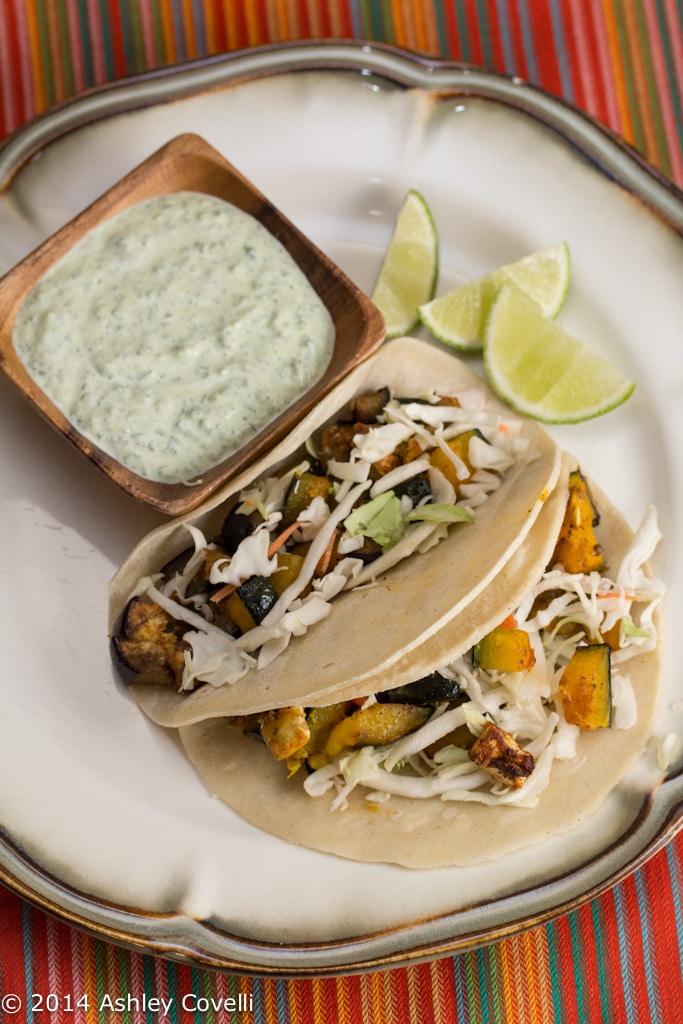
289,567
577,549
303,488
239,613
613,636
505,650
460,446
585,687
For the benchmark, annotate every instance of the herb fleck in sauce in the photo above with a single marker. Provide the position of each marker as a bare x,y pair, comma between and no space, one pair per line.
173,332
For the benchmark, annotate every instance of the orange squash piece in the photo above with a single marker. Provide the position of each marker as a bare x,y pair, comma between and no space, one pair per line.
505,650
577,549
613,636
585,687
460,446
239,613
302,490
289,567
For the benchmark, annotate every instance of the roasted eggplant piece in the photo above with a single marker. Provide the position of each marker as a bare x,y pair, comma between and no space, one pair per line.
367,407
369,551
416,489
404,453
431,689
237,526
177,564
147,645
336,439
421,400
336,442
200,582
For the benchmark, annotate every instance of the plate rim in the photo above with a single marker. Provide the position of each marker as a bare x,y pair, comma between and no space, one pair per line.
166,933
612,157
603,147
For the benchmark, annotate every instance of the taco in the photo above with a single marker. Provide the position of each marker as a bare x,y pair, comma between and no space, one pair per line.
539,718
380,519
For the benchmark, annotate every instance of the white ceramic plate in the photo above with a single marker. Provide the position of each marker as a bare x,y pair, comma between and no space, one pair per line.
103,820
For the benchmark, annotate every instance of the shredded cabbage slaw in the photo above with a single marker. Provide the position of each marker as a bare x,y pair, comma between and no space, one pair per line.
216,657
524,704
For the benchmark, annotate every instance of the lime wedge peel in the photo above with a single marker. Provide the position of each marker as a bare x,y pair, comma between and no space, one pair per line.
542,371
531,362
458,318
408,275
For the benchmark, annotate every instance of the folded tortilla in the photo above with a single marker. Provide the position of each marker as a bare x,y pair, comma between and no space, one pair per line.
370,629
429,833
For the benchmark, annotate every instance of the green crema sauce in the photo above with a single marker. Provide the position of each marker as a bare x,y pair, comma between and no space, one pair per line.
173,332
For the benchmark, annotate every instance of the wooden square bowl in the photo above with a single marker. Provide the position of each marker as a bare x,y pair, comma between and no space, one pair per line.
188,163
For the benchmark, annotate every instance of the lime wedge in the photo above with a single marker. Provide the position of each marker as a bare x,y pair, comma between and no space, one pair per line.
539,369
458,318
407,277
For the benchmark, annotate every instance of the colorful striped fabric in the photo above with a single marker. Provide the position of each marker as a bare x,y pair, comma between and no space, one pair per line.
617,958
620,60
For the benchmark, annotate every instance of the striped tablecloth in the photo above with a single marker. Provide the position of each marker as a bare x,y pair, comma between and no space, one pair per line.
617,958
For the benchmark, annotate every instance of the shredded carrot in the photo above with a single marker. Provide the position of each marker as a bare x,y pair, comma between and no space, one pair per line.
274,547
326,557
225,591
282,538
504,428
618,593
508,623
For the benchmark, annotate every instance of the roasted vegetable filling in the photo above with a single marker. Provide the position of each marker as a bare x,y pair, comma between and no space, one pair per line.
489,725
382,485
